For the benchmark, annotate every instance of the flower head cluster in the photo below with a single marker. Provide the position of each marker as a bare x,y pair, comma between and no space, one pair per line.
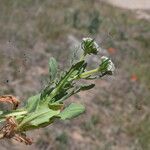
89,46
106,65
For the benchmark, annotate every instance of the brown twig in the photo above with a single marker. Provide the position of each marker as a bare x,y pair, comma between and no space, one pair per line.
10,99
9,131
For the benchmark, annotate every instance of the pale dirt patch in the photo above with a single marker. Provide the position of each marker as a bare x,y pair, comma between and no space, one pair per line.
131,4
141,7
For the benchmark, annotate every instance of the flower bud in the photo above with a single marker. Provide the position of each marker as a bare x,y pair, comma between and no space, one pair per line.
89,46
106,66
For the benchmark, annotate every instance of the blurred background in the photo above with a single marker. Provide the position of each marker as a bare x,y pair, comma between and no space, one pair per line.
118,109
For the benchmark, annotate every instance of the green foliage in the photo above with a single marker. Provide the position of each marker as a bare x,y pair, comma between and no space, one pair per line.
40,118
73,110
32,103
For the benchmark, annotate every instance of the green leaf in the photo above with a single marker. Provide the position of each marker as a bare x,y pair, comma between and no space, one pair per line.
74,91
35,119
86,87
44,116
53,66
73,71
69,93
46,92
72,111
32,103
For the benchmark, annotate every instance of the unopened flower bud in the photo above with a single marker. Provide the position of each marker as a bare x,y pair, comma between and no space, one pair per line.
89,46
106,65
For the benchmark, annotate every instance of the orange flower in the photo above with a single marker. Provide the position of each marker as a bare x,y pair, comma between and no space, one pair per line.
134,78
112,50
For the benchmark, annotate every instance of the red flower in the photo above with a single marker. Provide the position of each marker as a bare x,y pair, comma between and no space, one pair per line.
134,78
112,50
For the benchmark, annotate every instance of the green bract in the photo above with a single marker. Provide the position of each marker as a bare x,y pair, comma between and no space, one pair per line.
44,108
89,46
106,65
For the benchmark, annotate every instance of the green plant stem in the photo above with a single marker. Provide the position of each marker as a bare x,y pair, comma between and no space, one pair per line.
82,57
82,76
60,85
20,112
17,115
87,74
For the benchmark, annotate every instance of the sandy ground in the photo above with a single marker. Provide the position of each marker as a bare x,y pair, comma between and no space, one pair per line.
131,4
